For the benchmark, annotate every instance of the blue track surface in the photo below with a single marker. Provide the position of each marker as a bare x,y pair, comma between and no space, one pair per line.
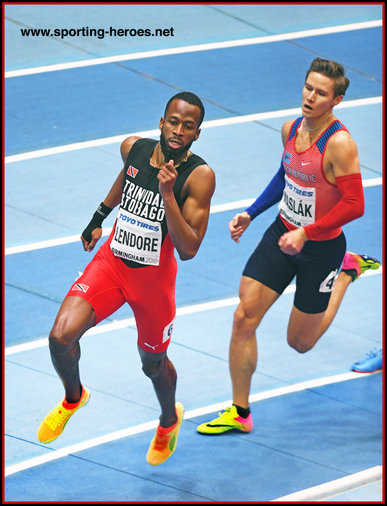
105,100
46,285
301,439
267,453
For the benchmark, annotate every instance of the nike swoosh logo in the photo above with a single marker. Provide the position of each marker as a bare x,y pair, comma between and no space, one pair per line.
305,163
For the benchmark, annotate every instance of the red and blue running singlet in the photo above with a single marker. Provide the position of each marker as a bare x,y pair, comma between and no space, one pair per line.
308,195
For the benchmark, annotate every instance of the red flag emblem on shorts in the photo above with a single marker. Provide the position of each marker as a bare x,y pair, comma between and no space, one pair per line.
81,287
132,171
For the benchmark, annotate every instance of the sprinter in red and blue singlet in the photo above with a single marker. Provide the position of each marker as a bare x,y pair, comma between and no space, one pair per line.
319,189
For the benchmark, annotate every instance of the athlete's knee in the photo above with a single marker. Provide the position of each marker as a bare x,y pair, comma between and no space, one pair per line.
304,330
151,367
62,336
244,324
74,318
300,344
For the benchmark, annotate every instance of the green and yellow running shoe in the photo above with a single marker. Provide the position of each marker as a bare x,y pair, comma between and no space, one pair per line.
164,442
354,265
228,420
56,420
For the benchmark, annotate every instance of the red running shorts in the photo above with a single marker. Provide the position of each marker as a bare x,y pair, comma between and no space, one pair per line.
107,283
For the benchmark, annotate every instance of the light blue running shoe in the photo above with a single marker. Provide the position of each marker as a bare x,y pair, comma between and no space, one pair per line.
372,363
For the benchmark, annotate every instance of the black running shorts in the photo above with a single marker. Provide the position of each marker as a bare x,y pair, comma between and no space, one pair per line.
315,267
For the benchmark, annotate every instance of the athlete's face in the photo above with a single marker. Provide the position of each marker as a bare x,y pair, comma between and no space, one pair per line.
179,129
318,95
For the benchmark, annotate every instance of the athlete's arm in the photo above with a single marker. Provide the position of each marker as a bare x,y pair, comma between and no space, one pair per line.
187,226
92,233
341,166
270,196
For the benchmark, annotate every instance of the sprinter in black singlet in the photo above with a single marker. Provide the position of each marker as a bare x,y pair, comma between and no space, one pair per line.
163,193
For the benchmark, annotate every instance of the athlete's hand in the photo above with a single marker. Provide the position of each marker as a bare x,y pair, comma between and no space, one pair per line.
293,241
167,176
95,237
238,225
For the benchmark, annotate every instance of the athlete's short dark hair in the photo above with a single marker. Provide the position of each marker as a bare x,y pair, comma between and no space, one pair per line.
330,68
189,97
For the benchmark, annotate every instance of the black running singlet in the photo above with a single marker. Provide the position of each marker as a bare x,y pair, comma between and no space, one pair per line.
141,227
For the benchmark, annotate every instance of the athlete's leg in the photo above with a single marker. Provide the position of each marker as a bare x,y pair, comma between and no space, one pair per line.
74,318
340,286
255,300
304,330
94,296
161,371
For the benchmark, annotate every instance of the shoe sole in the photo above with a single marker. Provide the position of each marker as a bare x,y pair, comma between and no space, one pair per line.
367,372
226,429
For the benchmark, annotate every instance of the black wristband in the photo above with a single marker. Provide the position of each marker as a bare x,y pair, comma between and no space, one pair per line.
103,210
96,221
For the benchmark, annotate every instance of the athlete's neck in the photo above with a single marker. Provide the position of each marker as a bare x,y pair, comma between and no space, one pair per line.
312,127
158,158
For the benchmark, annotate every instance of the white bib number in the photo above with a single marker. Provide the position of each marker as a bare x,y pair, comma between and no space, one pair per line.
298,204
136,239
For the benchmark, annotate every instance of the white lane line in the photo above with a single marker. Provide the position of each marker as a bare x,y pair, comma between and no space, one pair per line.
128,322
217,208
194,48
335,487
155,132
137,429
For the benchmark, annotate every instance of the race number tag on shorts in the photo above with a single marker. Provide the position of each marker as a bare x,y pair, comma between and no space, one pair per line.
327,285
136,239
167,333
298,204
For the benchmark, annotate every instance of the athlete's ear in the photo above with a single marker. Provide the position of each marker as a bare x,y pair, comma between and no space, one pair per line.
197,134
337,100
161,124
